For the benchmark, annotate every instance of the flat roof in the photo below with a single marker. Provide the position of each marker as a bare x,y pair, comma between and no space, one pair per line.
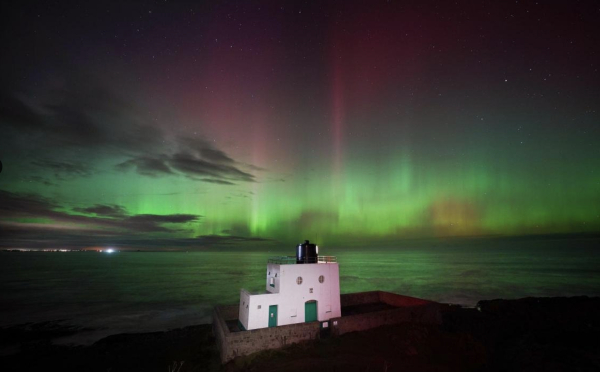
292,260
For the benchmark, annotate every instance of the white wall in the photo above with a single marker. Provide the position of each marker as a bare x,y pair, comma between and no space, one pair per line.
291,297
273,272
259,317
327,294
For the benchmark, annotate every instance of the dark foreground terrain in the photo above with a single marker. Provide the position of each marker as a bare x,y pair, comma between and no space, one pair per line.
531,334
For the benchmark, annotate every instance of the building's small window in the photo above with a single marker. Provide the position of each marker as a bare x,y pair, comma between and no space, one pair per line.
246,306
259,307
272,282
276,275
299,280
310,291
321,279
269,273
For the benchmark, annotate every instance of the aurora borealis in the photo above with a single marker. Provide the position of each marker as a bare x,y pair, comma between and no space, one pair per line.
182,125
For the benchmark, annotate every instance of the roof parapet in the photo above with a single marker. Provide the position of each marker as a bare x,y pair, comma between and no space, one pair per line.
292,260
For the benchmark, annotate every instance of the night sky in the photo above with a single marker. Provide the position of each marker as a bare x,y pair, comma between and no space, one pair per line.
178,125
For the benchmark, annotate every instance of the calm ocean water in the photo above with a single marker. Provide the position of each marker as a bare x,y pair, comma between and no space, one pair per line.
139,292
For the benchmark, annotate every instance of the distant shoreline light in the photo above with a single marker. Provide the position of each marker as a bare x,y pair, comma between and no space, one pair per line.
60,250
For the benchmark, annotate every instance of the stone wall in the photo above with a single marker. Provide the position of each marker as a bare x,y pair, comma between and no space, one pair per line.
428,314
400,300
234,344
351,299
408,309
220,329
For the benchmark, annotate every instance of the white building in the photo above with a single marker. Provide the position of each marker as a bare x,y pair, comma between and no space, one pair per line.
301,288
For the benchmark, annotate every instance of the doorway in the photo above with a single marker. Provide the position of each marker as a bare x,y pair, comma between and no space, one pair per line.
310,311
273,316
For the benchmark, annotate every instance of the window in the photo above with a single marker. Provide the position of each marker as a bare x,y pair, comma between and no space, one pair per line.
259,307
310,291
299,280
321,279
272,282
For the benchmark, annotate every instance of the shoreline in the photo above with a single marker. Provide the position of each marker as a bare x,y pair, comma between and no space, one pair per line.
555,331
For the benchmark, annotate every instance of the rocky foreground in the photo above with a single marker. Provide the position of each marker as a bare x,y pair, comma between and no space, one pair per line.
531,334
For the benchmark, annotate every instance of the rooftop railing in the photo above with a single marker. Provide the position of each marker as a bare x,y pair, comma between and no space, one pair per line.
292,260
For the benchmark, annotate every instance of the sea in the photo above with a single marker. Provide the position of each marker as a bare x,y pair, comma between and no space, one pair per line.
129,292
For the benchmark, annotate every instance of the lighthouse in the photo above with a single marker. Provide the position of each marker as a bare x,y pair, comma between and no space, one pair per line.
301,288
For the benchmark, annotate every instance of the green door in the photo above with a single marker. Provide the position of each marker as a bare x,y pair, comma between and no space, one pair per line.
310,311
273,316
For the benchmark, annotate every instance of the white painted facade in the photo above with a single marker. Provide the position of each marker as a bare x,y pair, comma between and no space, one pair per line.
290,297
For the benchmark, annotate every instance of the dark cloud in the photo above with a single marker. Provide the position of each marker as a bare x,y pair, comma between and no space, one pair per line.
110,226
40,180
274,180
109,220
63,131
237,229
105,225
103,210
83,112
219,182
63,168
196,159
65,127
37,237
154,222
199,158
194,166
71,125
14,205
255,168
146,166
216,156
228,239
170,218
79,113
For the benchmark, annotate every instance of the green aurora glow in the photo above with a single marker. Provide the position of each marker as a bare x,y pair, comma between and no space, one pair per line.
389,142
